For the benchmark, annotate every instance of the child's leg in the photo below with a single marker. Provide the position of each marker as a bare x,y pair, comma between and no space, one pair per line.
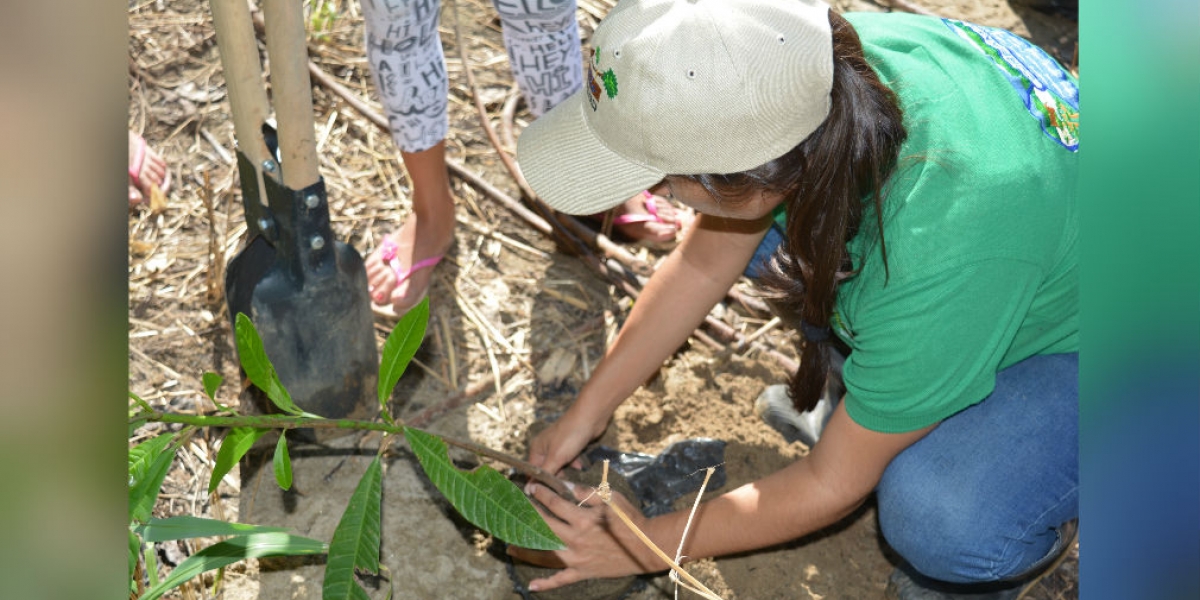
982,496
542,40
409,71
544,50
400,270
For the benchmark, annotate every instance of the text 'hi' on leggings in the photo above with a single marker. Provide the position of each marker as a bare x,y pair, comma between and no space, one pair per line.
408,65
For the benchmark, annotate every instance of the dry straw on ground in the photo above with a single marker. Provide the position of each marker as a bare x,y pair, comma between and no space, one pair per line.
518,324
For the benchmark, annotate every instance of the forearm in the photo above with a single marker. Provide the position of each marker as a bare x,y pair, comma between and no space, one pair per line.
671,306
829,483
781,507
812,493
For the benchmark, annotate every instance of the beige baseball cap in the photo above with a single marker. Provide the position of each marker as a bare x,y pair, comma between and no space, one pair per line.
682,87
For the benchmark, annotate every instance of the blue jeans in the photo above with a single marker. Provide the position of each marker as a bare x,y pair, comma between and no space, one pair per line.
980,497
758,263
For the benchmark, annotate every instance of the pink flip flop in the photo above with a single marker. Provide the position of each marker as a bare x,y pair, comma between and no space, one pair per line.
648,202
650,216
135,167
387,252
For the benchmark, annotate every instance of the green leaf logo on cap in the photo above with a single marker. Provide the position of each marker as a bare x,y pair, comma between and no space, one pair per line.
606,82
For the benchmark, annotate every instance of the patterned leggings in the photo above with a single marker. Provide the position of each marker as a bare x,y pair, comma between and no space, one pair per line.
409,67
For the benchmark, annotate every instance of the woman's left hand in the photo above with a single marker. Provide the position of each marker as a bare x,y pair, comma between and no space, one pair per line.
598,543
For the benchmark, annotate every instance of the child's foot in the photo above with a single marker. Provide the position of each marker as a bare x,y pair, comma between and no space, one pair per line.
400,270
649,218
147,171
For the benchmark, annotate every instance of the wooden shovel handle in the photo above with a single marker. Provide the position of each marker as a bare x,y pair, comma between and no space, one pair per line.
288,50
243,76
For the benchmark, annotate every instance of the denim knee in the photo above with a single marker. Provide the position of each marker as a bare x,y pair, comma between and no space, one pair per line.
979,498
939,527
944,538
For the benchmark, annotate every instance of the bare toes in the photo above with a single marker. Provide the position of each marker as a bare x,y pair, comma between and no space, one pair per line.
666,210
660,232
380,279
381,288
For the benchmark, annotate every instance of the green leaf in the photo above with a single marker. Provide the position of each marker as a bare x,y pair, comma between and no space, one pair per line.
283,463
141,455
355,542
135,425
150,559
235,445
256,545
187,526
259,368
135,544
483,496
212,381
400,347
149,462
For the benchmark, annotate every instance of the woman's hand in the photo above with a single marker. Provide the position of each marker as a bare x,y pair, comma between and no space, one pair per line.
674,302
563,441
598,543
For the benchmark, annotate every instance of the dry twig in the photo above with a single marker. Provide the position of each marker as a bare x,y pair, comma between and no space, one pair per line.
605,494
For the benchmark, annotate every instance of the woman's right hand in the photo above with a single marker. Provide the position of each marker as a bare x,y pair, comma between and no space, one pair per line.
692,279
561,443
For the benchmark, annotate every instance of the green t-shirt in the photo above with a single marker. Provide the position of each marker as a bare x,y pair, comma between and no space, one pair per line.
980,223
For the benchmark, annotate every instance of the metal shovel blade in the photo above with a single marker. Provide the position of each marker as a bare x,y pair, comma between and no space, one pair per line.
306,294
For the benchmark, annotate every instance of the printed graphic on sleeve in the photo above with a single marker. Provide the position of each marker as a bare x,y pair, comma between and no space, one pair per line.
1050,94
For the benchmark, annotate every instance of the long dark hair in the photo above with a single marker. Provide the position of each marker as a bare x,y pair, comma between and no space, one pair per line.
827,181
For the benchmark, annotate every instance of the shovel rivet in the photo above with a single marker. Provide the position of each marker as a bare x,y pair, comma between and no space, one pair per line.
269,166
264,224
317,242
312,201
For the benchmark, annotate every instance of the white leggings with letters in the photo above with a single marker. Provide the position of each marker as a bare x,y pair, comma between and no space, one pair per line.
409,67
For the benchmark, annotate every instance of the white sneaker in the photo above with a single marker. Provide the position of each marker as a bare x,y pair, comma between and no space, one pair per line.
774,406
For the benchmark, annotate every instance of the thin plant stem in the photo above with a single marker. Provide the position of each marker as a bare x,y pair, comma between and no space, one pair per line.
296,422
605,493
708,473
